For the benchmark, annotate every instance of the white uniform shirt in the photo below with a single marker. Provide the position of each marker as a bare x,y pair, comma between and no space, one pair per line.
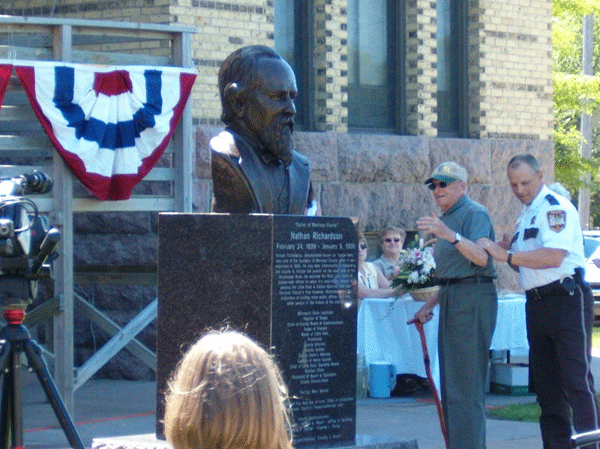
549,223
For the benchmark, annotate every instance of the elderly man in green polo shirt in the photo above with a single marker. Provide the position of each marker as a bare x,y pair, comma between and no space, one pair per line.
468,303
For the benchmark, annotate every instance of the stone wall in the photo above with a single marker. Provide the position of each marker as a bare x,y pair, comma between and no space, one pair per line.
114,246
379,178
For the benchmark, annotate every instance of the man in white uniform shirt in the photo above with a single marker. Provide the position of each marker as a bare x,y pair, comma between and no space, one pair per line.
547,250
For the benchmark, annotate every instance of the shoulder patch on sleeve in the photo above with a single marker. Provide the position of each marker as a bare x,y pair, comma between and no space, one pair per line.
557,220
552,200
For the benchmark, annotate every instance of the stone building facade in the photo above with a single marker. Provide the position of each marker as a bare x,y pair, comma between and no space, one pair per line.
375,175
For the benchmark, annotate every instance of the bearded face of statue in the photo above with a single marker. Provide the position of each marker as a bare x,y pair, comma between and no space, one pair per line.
269,108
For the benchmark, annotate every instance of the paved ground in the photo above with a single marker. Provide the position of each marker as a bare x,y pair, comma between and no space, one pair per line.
105,409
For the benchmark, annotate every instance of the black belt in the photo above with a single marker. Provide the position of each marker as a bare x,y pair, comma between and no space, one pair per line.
545,290
555,287
467,280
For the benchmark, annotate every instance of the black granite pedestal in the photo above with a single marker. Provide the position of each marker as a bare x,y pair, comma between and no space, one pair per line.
289,282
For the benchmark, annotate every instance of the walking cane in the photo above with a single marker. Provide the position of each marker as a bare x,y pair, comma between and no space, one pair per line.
427,362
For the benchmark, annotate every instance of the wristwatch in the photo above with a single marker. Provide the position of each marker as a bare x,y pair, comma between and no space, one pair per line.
509,259
457,238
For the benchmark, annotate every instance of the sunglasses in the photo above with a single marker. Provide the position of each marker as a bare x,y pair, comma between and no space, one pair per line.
392,240
362,246
441,184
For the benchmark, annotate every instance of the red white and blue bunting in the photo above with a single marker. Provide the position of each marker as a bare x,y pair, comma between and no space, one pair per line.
110,124
5,73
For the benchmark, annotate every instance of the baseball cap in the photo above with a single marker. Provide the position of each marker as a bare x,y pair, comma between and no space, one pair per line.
448,172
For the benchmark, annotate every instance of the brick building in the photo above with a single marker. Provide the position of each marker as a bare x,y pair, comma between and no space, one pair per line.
493,57
387,91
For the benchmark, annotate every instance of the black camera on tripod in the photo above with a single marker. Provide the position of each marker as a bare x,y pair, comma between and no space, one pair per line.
26,240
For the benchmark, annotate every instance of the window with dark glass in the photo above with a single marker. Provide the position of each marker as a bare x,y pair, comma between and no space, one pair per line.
374,78
452,68
293,37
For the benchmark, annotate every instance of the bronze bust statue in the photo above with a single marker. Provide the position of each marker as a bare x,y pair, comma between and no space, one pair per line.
254,167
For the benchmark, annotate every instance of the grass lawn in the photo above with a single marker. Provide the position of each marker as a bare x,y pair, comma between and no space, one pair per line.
530,411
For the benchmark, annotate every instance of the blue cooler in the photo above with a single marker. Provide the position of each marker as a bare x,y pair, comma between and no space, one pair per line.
382,378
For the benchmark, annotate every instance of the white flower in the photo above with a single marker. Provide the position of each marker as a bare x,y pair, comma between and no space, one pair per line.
416,268
428,265
414,278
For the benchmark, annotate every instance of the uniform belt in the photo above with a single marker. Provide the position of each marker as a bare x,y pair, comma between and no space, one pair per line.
556,286
467,280
544,290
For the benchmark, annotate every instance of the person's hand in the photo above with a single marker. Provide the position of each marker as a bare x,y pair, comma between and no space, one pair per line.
433,225
505,242
424,314
493,249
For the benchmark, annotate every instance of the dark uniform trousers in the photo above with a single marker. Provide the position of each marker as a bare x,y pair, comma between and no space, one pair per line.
559,326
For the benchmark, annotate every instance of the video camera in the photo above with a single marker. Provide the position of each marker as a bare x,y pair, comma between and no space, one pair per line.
26,241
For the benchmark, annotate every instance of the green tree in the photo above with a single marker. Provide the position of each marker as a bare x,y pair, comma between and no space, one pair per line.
575,93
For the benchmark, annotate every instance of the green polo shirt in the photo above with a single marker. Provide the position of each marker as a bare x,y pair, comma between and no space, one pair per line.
472,221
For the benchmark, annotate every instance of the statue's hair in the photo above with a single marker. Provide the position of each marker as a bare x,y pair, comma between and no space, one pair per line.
240,67
227,393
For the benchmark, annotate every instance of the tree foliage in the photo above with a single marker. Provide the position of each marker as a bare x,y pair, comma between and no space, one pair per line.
575,7
575,93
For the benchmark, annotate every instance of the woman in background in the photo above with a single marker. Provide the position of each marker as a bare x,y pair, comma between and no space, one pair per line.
371,281
391,240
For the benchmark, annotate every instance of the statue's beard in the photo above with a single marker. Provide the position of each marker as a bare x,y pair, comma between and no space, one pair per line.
277,138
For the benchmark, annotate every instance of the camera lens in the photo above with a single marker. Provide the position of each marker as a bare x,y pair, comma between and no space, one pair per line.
6,228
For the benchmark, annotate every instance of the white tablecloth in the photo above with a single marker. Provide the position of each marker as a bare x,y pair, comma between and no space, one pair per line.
384,336
511,331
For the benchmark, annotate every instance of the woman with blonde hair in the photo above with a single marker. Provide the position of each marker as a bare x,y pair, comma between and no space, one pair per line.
227,393
391,240
371,281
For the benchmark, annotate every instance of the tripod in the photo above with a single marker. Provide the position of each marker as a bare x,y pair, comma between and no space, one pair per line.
14,340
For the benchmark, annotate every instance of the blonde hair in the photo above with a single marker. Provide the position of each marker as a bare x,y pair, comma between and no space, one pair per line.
390,230
227,393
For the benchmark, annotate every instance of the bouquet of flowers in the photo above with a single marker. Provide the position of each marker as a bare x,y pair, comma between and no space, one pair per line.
416,269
